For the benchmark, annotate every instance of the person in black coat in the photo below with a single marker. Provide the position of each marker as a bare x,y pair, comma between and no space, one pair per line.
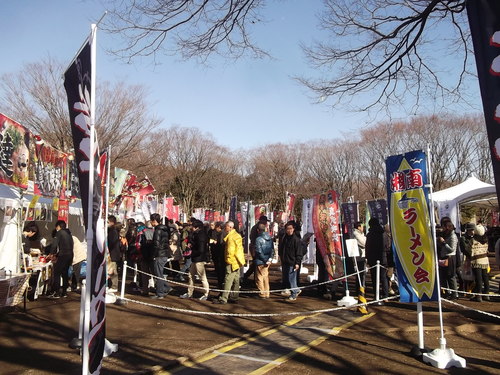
62,250
375,251
161,255
290,252
217,247
199,256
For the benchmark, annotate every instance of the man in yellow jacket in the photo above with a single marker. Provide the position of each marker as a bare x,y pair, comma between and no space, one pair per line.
235,259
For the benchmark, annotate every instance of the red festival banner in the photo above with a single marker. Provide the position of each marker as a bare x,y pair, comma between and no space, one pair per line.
14,153
169,207
49,171
327,232
63,210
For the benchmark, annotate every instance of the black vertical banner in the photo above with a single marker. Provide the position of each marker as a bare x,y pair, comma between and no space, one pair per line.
378,209
350,216
484,21
232,210
77,82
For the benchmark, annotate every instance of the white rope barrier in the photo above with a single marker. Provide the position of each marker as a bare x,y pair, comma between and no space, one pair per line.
472,309
248,315
245,291
473,294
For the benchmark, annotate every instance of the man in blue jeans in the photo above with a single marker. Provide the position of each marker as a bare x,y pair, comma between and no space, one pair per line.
162,253
290,252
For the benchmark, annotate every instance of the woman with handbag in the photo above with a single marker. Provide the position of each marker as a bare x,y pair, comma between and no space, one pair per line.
475,249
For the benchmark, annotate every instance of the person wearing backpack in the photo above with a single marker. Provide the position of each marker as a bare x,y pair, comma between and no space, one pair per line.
264,252
162,254
199,258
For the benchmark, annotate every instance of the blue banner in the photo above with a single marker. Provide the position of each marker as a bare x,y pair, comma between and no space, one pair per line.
413,242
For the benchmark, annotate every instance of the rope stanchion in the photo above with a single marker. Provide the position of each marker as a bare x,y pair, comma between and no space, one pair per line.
362,300
121,300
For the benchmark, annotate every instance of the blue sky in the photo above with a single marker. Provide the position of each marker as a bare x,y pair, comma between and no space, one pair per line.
243,104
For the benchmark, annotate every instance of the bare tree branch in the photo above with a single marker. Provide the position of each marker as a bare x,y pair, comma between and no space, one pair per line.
390,50
193,28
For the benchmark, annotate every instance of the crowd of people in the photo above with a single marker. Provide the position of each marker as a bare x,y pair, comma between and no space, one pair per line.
187,248
162,248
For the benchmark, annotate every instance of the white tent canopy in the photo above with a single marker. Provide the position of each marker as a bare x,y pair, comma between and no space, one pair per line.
471,192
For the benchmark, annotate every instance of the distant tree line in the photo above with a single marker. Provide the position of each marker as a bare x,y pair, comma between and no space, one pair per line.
200,173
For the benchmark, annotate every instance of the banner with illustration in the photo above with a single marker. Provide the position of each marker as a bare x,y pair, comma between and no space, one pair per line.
413,243
50,171
14,153
289,204
327,232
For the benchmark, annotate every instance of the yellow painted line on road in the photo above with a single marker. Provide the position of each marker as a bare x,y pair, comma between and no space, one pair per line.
225,349
304,348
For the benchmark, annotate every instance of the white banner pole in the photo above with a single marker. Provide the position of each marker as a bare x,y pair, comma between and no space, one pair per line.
90,234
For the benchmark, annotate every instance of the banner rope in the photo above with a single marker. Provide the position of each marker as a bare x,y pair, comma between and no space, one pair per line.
472,293
470,308
248,315
247,291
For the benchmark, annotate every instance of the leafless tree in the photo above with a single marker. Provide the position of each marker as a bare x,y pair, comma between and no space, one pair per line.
275,170
334,164
184,158
35,97
189,27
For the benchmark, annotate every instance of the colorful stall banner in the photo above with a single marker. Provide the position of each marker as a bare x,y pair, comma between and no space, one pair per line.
175,216
209,214
289,204
120,177
327,232
144,187
63,212
50,171
14,153
307,216
378,209
260,210
350,215
413,243
73,188
169,206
